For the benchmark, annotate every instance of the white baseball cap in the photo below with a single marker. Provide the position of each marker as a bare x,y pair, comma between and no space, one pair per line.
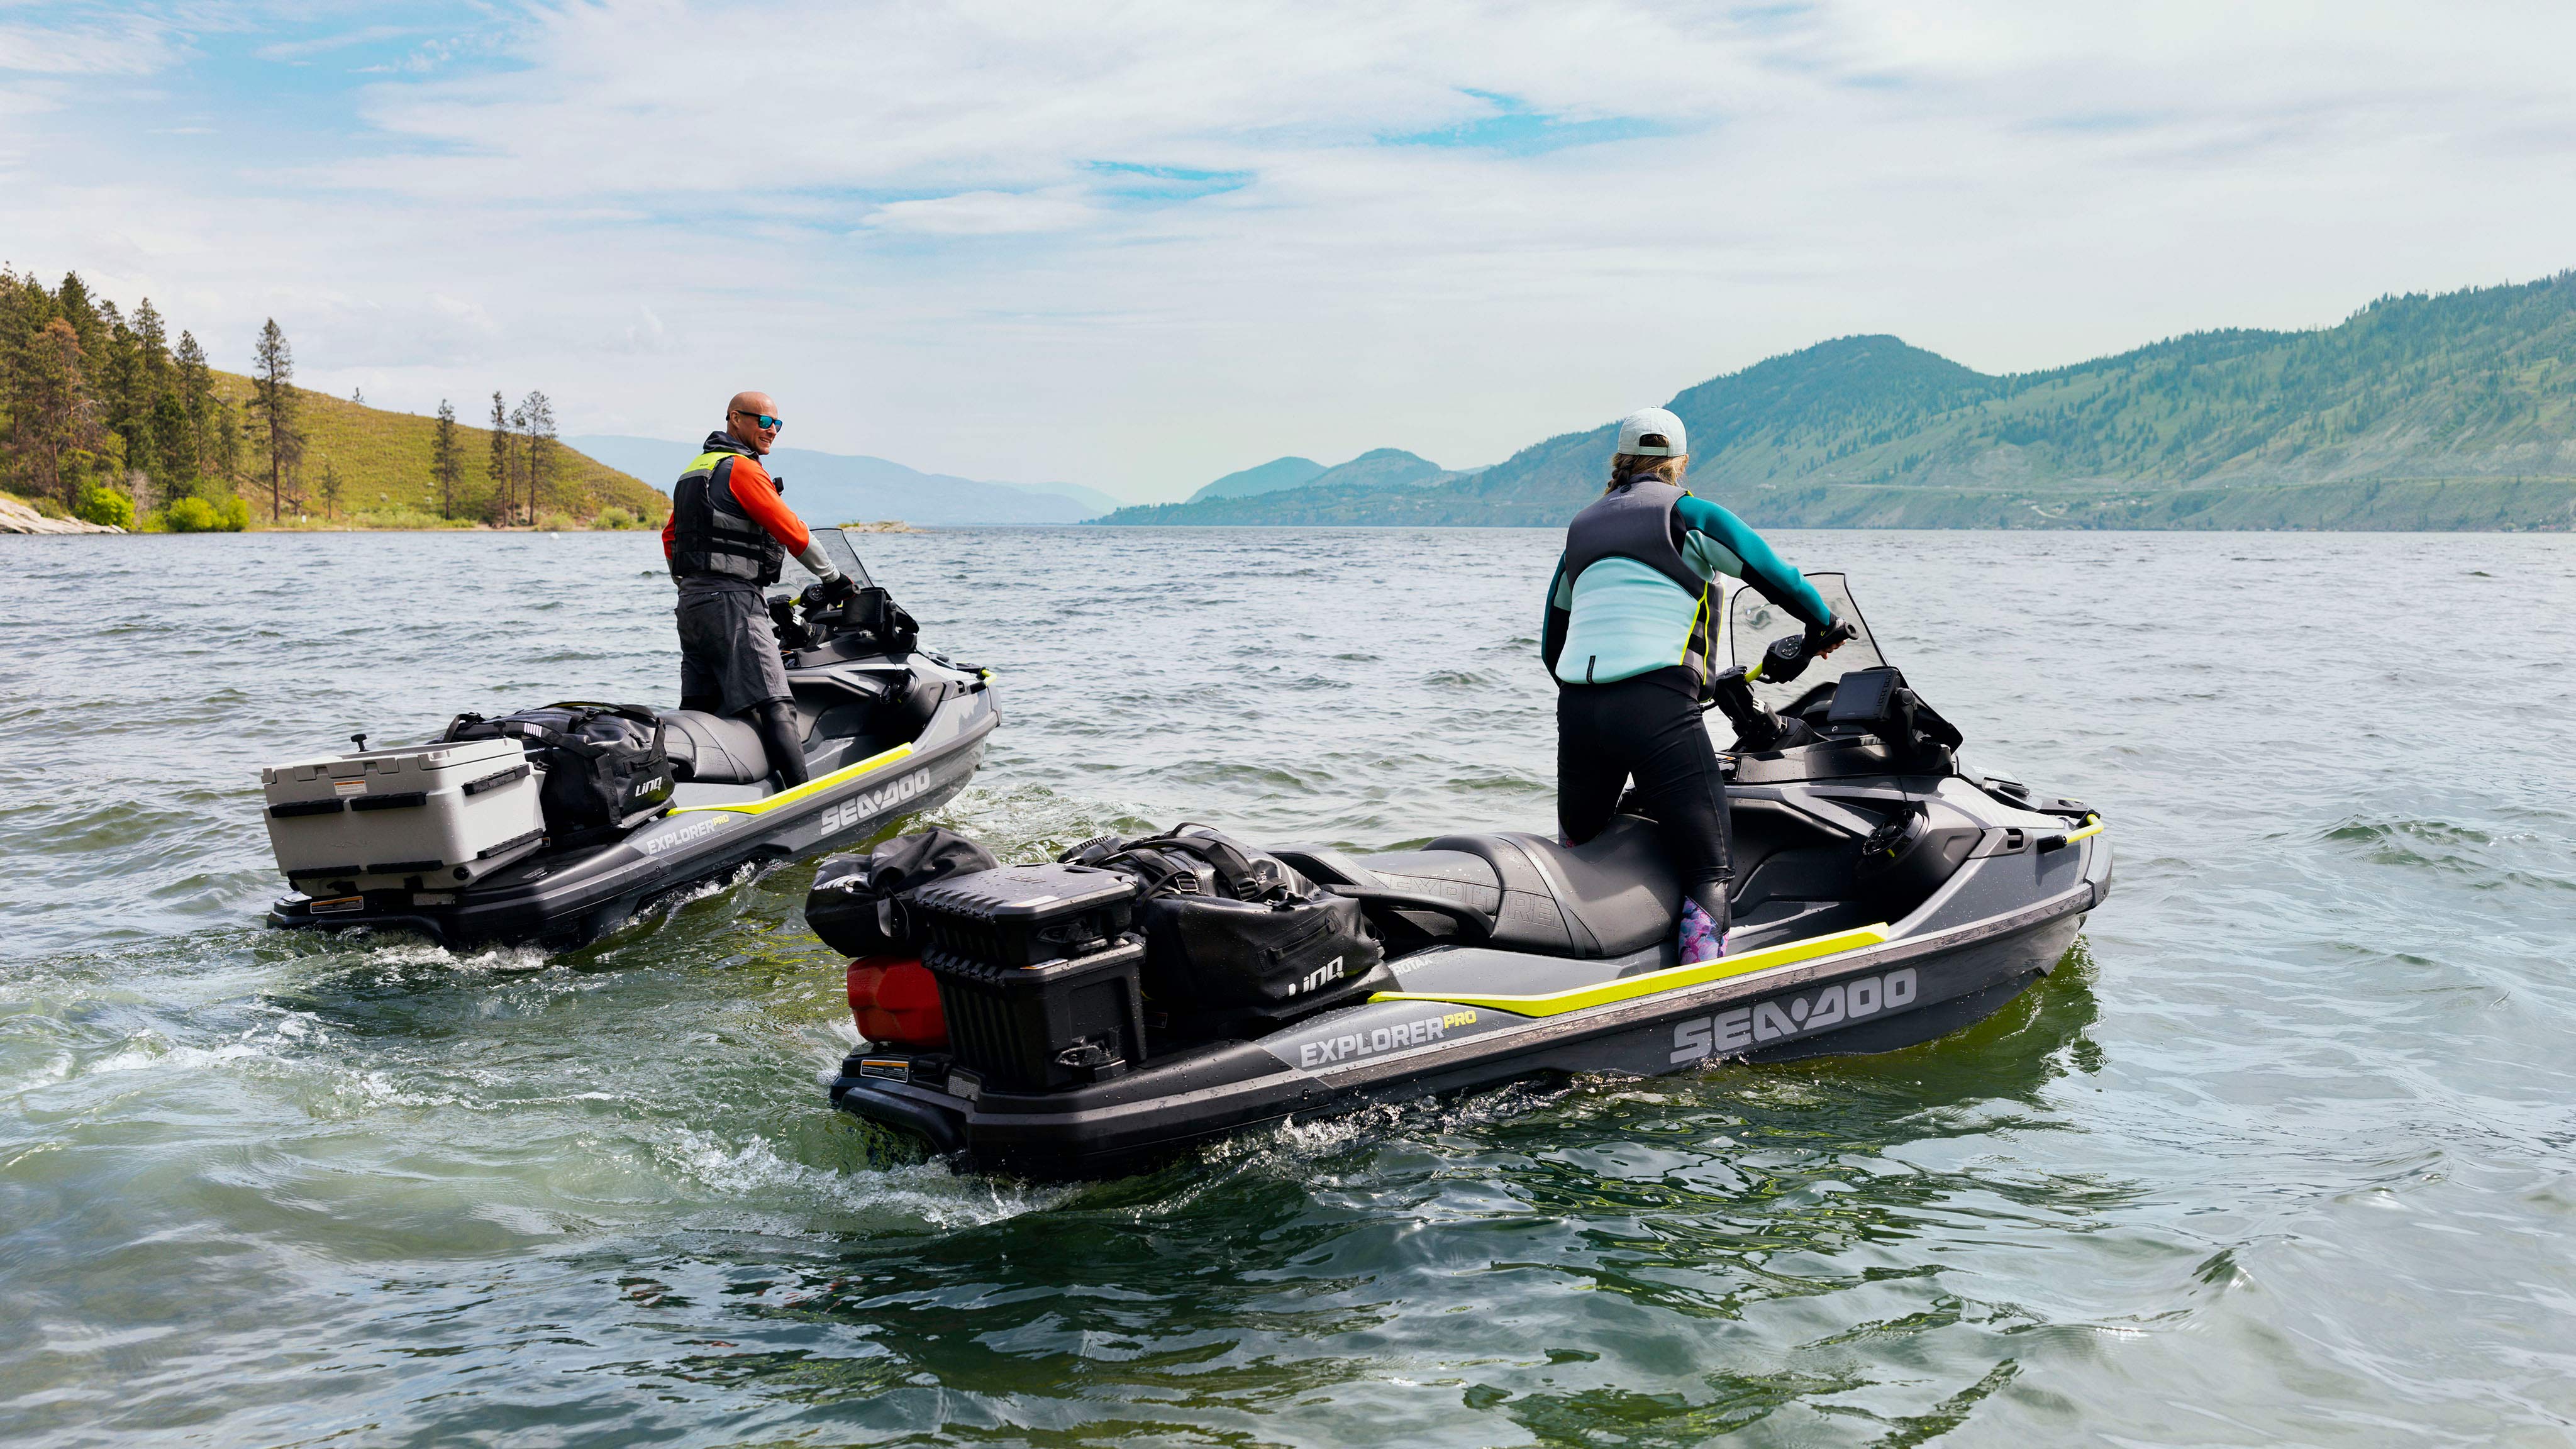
1656,423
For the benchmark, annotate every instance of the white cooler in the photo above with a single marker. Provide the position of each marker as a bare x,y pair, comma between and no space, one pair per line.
420,817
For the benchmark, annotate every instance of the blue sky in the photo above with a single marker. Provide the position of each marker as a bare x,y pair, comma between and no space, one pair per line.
1140,245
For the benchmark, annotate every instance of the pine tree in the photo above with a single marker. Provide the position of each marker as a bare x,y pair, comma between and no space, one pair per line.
536,416
499,466
446,463
519,462
330,488
52,423
208,416
273,399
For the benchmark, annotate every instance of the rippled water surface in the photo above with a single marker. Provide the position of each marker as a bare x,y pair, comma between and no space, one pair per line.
2289,1156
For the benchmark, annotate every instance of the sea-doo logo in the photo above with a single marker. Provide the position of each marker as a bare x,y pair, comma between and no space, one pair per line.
1745,1026
848,814
1351,1045
696,830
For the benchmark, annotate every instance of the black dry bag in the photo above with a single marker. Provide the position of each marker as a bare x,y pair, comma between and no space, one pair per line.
1232,930
856,905
606,767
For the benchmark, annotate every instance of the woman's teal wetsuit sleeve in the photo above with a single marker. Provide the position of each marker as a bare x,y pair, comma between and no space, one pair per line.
1559,616
1716,541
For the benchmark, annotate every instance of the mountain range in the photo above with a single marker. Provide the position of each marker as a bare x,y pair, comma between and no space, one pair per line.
854,488
1378,468
2421,411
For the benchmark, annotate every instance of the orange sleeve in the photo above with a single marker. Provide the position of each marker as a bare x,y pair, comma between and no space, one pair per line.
761,503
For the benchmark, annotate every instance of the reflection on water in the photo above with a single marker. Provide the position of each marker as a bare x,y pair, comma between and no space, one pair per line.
2279,1153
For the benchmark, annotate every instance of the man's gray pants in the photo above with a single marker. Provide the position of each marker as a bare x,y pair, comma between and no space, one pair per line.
728,653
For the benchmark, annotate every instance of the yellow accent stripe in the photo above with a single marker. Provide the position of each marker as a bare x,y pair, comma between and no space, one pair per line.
810,788
1628,988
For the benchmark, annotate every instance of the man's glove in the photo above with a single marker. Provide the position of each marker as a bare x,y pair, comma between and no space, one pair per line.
839,589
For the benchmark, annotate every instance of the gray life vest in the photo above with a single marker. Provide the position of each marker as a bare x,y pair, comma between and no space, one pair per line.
711,535
1636,522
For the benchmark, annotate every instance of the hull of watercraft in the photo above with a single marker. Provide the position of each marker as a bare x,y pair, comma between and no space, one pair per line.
558,900
2003,922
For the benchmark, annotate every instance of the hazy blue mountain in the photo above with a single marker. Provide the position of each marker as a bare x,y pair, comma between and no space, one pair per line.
1375,471
1269,477
853,488
1092,498
2452,411
1383,468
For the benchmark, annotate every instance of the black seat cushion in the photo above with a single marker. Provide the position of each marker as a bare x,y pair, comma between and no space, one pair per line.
1611,895
714,749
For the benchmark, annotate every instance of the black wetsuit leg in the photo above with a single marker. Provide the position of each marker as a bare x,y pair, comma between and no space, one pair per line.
784,735
1648,727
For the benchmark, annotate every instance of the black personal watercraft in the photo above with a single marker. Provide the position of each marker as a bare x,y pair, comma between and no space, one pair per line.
460,838
1884,895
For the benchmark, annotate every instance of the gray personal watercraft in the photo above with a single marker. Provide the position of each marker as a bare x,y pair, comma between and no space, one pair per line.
459,838
1884,895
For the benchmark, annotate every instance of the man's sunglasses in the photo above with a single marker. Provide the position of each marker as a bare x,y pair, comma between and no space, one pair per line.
764,419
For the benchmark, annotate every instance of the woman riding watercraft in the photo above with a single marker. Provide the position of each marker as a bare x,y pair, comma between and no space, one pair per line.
1628,637
1098,1014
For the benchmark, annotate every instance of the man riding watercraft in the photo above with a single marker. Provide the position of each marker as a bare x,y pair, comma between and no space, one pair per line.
1627,635
729,536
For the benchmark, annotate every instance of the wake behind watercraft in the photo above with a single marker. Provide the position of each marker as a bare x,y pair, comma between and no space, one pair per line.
553,825
1884,895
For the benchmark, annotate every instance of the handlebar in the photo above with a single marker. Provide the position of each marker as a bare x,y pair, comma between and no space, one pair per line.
1788,657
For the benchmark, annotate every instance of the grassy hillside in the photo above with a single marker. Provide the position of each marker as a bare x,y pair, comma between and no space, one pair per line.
2455,411
383,459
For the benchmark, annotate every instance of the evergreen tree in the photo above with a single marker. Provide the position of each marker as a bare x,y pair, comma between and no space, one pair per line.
193,385
173,444
446,460
330,488
77,307
273,400
499,466
52,422
537,424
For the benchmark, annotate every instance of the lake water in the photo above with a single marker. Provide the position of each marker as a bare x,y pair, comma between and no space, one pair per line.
2287,1156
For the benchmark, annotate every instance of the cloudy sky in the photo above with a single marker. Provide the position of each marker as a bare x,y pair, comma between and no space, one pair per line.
1139,245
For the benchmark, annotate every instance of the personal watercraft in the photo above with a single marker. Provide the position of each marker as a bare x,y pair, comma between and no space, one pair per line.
1884,895
453,838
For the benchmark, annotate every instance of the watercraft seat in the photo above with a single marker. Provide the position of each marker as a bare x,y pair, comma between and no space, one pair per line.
1611,895
713,749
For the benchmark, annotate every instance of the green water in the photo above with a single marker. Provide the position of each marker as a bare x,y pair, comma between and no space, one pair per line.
2285,1156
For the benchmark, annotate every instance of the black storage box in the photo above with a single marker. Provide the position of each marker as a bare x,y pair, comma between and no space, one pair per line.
1060,1023
1024,915
1039,973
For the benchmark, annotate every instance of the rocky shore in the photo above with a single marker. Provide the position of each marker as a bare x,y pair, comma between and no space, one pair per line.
17,517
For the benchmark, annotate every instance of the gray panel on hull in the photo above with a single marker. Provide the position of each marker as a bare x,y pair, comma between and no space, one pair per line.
1484,971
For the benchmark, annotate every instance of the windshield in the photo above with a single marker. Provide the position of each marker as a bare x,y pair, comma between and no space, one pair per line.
844,555
1754,621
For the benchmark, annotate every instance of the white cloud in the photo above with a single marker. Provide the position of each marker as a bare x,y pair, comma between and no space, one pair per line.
982,213
125,47
1168,239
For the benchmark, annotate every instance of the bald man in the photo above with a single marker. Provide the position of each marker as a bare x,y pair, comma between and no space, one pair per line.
728,537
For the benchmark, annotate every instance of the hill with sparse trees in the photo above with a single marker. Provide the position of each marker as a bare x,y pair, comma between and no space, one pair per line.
105,417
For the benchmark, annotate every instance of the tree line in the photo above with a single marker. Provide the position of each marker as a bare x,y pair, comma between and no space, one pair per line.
95,397
109,418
